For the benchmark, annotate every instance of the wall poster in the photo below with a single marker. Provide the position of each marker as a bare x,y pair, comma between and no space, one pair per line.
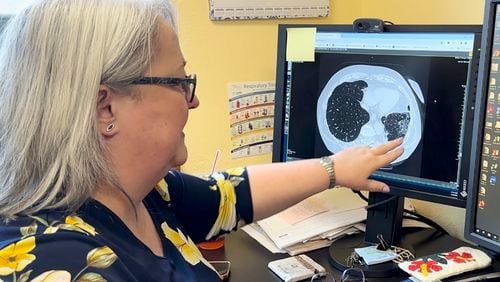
251,109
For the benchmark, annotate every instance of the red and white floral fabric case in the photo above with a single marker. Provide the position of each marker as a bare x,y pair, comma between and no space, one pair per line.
442,265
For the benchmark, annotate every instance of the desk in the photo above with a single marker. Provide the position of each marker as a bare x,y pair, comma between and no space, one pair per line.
249,259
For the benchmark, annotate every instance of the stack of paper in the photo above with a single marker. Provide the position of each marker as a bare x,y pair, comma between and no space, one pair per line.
313,223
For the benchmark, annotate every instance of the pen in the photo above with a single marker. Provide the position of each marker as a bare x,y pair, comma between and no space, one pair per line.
215,161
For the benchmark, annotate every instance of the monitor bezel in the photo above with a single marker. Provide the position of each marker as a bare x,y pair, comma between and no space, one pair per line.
478,130
281,88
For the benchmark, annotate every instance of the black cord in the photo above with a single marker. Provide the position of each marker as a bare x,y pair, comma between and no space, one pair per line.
361,195
414,215
388,23
381,203
426,220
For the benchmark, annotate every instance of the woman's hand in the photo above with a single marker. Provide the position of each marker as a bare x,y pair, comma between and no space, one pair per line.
354,165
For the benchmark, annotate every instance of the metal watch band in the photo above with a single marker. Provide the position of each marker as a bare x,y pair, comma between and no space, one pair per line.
327,163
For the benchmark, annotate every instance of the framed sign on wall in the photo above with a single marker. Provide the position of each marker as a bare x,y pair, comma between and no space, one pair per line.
267,9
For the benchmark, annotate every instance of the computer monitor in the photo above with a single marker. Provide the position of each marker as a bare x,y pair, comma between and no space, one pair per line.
366,88
482,224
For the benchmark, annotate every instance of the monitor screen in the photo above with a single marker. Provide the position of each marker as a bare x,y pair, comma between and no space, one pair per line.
483,211
415,82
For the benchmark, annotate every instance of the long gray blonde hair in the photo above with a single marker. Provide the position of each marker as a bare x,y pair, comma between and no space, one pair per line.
54,55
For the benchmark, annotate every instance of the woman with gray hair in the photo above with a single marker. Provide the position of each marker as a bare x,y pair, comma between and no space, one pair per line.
94,98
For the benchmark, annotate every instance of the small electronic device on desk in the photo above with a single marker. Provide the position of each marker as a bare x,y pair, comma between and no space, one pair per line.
223,268
296,268
482,224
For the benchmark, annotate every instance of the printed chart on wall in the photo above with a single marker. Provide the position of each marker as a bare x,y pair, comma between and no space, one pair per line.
267,9
251,109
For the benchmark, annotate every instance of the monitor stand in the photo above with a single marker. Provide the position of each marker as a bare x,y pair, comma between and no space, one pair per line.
420,241
384,219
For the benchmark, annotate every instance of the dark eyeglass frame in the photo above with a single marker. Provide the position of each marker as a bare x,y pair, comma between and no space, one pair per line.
187,83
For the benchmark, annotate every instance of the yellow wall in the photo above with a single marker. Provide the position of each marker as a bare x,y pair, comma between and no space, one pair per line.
221,52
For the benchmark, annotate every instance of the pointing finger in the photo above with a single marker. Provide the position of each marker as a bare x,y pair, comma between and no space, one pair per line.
377,186
391,156
386,147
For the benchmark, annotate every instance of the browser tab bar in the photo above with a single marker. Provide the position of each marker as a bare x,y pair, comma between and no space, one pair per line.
446,42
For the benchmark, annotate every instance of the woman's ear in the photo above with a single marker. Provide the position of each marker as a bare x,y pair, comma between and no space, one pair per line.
105,116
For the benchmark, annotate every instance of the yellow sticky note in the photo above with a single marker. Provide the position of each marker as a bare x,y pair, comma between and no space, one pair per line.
300,44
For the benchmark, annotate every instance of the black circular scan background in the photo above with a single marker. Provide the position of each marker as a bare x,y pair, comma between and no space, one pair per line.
441,79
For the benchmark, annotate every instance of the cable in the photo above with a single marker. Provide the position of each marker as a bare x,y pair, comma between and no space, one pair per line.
361,195
388,23
426,220
414,215
381,203
481,277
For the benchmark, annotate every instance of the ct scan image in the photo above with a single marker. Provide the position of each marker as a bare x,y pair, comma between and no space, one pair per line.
370,105
342,100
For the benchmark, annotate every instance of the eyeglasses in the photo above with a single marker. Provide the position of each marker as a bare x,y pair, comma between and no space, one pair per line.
353,274
187,83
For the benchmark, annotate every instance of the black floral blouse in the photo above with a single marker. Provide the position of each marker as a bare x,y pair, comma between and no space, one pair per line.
95,245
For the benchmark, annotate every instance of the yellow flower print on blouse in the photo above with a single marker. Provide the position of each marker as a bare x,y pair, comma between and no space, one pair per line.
185,246
16,256
236,171
162,188
53,276
102,257
49,228
226,219
29,230
75,223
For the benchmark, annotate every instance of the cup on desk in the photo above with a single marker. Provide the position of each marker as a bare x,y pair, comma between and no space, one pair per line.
212,244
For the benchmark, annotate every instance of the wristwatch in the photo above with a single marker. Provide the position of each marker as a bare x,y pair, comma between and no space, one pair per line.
327,163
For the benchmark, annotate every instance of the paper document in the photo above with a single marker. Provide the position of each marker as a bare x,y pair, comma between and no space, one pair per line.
306,210
319,243
340,213
315,222
256,232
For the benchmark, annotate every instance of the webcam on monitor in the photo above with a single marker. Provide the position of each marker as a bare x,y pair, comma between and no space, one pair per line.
368,25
